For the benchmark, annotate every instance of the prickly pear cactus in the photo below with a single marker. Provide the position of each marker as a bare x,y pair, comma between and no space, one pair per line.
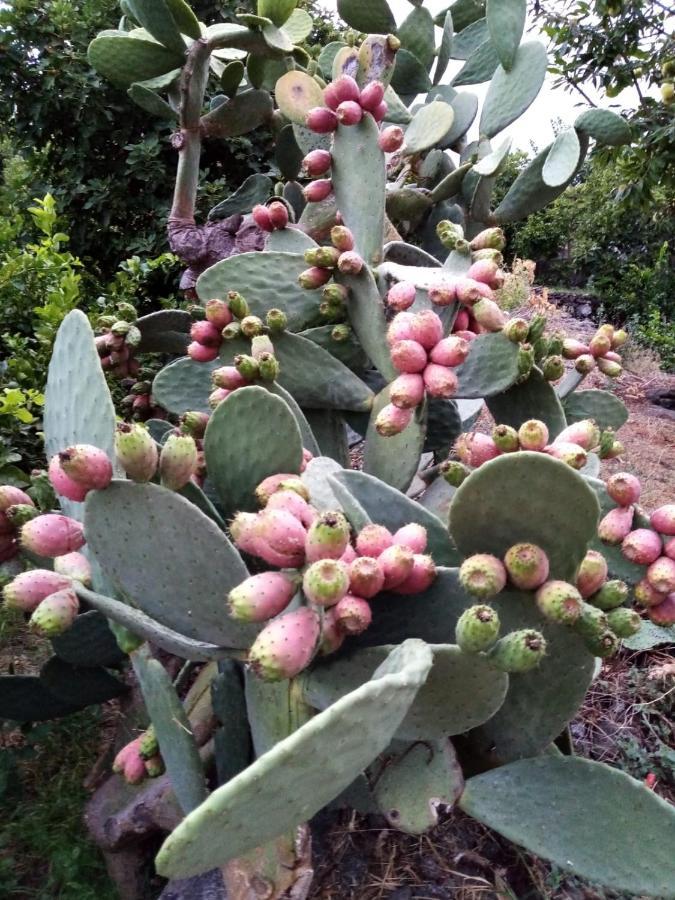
458,596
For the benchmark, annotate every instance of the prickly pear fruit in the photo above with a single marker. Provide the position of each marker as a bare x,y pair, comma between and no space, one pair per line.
505,438
278,214
470,291
74,565
624,488
474,449
397,564
17,516
13,496
401,328
342,238
584,433
427,329
616,525
647,595
592,573
366,577
422,576
148,745
261,597
136,451
321,120
28,589
455,473
353,614
413,536
669,548
661,575
664,612
482,575
392,420
56,613
603,645
317,163
571,454
409,357
284,481
202,353
487,271
451,351
489,237
342,88
612,594
559,602
279,538
591,621
63,484
440,381
663,519
349,112
318,190
154,766
533,435
401,296
642,546
624,622
518,651
407,391
332,635
599,344
516,330
326,581
373,540
178,461
391,139
488,314
52,535
553,368
585,364
242,529
218,313
526,565
327,537
130,763
261,216
286,645
573,349
372,96
313,278
477,629
609,367
294,504
206,333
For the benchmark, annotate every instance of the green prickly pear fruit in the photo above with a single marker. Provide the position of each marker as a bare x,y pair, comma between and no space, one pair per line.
126,640
536,329
612,594
533,435
449,233
276,320
341,333
261,596
525,360
324,257
454,472
56,613
251,326
619,338
482,575
477,629
286,645
592,573
148,745
553,368
604,644
268,367
556,344
519,651
493,238
247,366
327,537
559,602
584,364
21,513
194,423
154,766
335,294
591,624
238,306
489,254
326,581
624,622
230,332
178,461
506,438
527,566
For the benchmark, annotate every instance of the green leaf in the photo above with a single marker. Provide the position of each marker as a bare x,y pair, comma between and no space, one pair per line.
510,93
373,17
506,21
604,126
563,159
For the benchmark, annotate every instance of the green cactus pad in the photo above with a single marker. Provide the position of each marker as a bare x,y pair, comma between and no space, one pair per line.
233,740
239,115
357,516
448,187
275,710
327,58
526,496
172,728
288,240
532,399
445,49
415,782
315,478
88,642
281,789
606,408
349,352
463,12
80,686
298,26
416,34
25,698
296,93
395,459
359,180
123,59
236,458
165,331
184,386
469,39
278,11
465,107
410,76
649,636
373,17
506,21
387,506
490,368
493,162
287,153
461,691
156,17
367,317
604,126
563,158
397,111
309,441
255,189
429,125
198,498
510,93
151,102
184,18
150,541
479,67
331,434
408,255
619,841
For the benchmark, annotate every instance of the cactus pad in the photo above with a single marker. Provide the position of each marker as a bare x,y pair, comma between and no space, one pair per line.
315,479
506,21
531,399
123,59
296,93
605,126
308,439
25,698
255,189
165,331
510,93
563,158
479,67
394,459
80,686
606,408
429,125
490,368
367,317
184,386
88,642
373,17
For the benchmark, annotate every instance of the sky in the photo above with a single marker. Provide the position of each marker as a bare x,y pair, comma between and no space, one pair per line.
551,104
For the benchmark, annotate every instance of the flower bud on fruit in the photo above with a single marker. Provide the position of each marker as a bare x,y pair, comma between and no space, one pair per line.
177,461
533,435
87,465
56,613
349,112
391,139
52,535
489,237
642,546
136,451
397,564
624,488
624,622
474,449
392,420
422,576
28,589
63,485
350,263
591,574
559,602
317,191
401,296
261,217
442,294
285,646
519,651
553,368
373,540
371,96
352,614
218,314
477,629
451,351
326,581
663,519
201,353
516,330
440,381
327,537
317,163
321,120
584,364
505,438
455,473
572,454
75,566
661,575
407,391
488,314
482,575
527,566
278,212
261,597
664,613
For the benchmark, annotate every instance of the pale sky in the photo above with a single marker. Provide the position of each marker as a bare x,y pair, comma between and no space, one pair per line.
551,103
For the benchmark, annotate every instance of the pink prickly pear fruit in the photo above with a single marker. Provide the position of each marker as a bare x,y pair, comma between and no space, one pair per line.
422,576
401,296
349,112
526,565
592,573
488,272
353,614
413,536
663,519
427,329
349,555
52,535
584,433
278,212
401,328
380,113
371,96
136,451
584,364
409,357
373,540
664,612
461,321
294,504
616,525
282,482
342,238
624,488
559,602
661,575
470,291
307,457
178,461
87,465
572,454
217,397
482,575
28,589
242,529
467,336
340,90
56,613
599,344
392,420
314,278
74,566
488,315
261,597
261,217
440,381
317,163
318,190
350,263
130,763
201,353
646,594
327,537
505,438
573,349
286,645
206,333
321,120
228,377
407,391
443,294
218,314
397,564
366,577
13,496
612,357
332,635
493,238
280,538
391,139
642,546
474,449
669,548
451,351
533,435
326,581
62,484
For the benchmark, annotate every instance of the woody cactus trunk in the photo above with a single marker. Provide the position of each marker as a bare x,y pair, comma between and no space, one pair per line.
413,636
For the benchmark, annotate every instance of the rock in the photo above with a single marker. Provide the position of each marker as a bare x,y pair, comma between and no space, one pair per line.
208,886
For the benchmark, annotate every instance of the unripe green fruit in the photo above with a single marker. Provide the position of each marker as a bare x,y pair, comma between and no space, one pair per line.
612,594
268,367
482,575
276,320
454,472
231,331
148,745
477,629
592,622
238,306
603,645
519,651
516,330
525,360
247,366
536,330
624,622
553,367
251,326
505,438
559,602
